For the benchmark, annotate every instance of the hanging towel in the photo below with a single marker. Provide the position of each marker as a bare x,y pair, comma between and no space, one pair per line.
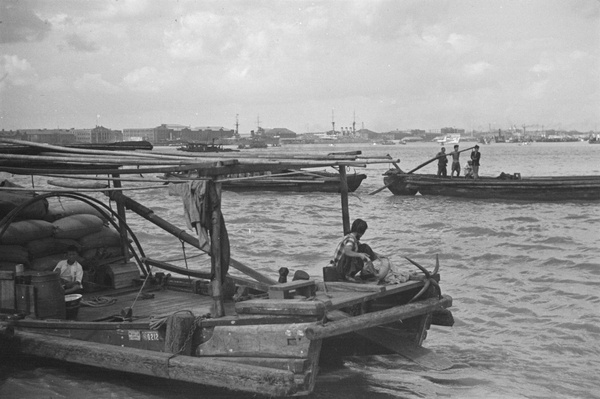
199,200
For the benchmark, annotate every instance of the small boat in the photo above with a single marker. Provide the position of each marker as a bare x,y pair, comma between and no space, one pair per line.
505,186
288,180
204,147
254,333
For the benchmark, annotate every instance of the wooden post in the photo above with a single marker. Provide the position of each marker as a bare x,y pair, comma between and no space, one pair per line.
122,214
344,194
215,249
177,337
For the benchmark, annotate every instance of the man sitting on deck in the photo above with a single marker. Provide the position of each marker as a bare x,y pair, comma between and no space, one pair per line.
469,169
351,256
70,272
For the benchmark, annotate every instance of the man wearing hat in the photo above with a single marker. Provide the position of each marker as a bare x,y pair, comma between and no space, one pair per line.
475,157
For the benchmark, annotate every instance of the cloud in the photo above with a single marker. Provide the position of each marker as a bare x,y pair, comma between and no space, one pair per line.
20,23
203,36
477,68
93,83
148,80
16,72
78,43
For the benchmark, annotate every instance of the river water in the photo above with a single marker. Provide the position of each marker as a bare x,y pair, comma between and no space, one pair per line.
524,277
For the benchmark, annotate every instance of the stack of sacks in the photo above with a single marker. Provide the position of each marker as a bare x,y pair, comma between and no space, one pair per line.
41,244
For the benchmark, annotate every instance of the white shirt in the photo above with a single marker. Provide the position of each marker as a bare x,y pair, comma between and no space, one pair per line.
68,272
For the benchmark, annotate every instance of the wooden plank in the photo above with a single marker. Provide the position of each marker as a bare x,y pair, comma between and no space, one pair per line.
298,307
377,318
334,286
210,371
294,365
292,285
213,372
94,354
268,340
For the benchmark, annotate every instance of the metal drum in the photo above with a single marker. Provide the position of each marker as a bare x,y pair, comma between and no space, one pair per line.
49,295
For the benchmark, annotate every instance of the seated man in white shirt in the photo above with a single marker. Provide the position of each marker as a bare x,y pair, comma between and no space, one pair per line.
70,272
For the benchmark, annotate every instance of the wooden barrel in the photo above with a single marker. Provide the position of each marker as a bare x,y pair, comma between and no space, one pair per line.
49,296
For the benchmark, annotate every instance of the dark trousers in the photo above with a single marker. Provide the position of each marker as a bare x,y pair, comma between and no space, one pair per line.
350,266
442,170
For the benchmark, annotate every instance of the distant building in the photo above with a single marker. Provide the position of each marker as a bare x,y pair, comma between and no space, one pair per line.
49,136
167,132
451,130
206,134
83,135
100,134
13,134
139,134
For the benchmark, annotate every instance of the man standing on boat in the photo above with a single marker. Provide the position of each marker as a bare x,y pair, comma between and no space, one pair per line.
475,157
442,163
455,162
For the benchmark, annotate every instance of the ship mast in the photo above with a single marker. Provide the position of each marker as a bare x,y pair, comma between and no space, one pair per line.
332,122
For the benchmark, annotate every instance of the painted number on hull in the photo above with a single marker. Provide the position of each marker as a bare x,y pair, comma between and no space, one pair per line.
150,336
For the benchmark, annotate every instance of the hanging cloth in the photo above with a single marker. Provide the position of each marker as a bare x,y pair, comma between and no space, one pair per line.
200,199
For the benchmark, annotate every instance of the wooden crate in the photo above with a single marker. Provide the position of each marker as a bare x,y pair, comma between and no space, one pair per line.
7,290
306,288
122,274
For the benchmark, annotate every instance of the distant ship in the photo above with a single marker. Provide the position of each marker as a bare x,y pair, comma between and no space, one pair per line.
448,139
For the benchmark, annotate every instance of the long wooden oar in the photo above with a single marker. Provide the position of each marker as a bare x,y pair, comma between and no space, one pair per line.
417,168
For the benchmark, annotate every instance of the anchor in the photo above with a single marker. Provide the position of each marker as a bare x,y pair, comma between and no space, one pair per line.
429,278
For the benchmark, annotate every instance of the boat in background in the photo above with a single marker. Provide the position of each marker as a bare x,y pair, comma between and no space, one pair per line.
204,147
288,180
505,186
449,139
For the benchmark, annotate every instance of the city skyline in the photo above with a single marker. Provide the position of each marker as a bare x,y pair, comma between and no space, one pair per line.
385,65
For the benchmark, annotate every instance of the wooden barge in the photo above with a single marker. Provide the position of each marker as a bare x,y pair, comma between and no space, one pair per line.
299,181
511,187
215,328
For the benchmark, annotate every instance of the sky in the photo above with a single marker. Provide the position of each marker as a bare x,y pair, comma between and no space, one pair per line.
385,65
